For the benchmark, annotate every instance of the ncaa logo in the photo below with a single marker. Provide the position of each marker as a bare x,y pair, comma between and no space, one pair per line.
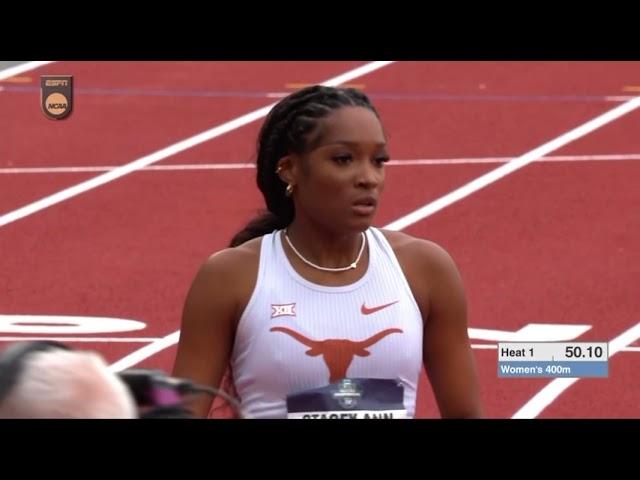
348,394
56,97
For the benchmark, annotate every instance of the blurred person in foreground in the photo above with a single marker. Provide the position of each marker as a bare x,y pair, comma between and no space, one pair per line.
48,380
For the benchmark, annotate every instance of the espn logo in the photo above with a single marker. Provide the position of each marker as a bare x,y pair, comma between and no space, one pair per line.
56,96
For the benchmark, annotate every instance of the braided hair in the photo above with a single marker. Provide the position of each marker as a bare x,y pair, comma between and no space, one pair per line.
286,130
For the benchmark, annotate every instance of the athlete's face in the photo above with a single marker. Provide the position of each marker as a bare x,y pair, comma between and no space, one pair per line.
339,179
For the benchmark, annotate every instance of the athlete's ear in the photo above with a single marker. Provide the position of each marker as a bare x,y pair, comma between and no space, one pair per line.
287,168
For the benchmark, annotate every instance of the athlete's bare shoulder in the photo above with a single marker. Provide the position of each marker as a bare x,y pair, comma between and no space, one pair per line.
229,275
426,265
412,249
236,259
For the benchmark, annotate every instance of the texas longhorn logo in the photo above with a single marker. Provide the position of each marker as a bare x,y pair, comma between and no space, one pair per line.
56,95
337,353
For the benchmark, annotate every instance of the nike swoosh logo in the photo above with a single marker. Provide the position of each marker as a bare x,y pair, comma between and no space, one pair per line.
368,311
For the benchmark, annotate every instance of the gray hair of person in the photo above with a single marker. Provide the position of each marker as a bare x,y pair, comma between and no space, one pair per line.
68,384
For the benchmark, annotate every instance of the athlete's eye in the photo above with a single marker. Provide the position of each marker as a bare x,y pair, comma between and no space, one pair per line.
342,158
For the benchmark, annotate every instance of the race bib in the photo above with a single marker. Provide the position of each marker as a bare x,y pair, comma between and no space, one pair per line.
356,398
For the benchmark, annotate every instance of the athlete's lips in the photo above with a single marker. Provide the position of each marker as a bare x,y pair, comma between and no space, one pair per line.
366,201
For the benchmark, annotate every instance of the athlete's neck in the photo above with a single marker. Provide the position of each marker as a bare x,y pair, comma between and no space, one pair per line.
322,247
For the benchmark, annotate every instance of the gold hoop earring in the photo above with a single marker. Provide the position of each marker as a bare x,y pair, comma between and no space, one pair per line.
289,190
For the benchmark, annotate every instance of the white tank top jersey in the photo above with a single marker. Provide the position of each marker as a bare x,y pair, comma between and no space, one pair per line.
304,350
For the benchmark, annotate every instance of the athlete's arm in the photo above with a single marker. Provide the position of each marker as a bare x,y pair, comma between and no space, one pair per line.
447,354
209,320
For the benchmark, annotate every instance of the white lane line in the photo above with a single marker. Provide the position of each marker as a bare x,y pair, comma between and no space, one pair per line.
145,352
18,69
81,339
392,163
